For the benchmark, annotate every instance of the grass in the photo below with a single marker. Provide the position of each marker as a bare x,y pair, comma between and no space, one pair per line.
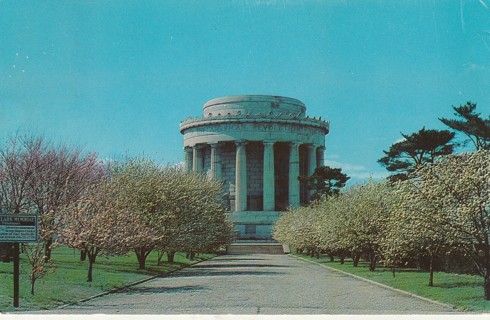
463,291
69,284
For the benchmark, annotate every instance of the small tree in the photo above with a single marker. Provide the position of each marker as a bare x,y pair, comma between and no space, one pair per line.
138,186
415,228
39,267
200,222
471,124
326,182
415,149
296,227
366,211
95,224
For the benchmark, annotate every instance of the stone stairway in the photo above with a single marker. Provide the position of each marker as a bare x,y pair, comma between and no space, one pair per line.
257,248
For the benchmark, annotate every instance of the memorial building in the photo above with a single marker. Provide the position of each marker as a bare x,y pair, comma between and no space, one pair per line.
258,146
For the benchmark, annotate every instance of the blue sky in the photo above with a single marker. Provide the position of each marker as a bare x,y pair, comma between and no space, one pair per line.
117,77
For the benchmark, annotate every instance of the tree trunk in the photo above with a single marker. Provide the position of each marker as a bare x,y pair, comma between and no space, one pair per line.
90,268
170,256
355,259
141,254
317,253
160,256
192,255
342,259
486,285
92,255
372,261
47,250
83,255
331,257
431,270
33,282
486,267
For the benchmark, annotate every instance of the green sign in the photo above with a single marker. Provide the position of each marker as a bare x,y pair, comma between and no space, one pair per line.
20,228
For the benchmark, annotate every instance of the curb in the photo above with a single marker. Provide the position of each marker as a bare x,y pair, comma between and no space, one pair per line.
130,285
381,285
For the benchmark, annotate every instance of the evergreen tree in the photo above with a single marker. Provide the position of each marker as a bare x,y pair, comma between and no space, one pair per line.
471,124
415,149
326,181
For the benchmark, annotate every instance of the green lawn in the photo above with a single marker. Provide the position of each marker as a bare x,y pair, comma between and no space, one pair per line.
69,281
460,290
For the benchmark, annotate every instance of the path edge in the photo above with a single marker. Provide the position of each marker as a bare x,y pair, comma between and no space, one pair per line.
114,290
381,285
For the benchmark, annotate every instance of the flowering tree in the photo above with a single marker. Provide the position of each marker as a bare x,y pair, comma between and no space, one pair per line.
88,223
457,189
199,222
183,209
366,210
329,228
138,188
63,177
415,228
354,222
296,227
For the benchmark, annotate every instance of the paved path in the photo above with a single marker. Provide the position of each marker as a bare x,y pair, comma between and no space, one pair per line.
255,284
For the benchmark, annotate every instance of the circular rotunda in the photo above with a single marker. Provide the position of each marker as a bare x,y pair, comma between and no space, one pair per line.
258,146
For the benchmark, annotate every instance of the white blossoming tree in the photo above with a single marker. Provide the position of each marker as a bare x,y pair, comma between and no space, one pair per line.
456,192
415,228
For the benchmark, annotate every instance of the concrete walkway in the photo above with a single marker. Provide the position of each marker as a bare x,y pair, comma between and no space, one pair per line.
255,284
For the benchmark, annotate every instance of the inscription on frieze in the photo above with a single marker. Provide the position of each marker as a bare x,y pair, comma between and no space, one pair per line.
255,127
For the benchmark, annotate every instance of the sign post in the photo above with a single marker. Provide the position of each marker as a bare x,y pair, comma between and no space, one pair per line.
15,229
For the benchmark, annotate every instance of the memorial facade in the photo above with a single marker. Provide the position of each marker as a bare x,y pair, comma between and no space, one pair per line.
258,146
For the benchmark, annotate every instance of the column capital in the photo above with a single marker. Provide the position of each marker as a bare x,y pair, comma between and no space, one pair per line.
310,146
295,143
269,142
241,142
198,146
197,160
215,168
